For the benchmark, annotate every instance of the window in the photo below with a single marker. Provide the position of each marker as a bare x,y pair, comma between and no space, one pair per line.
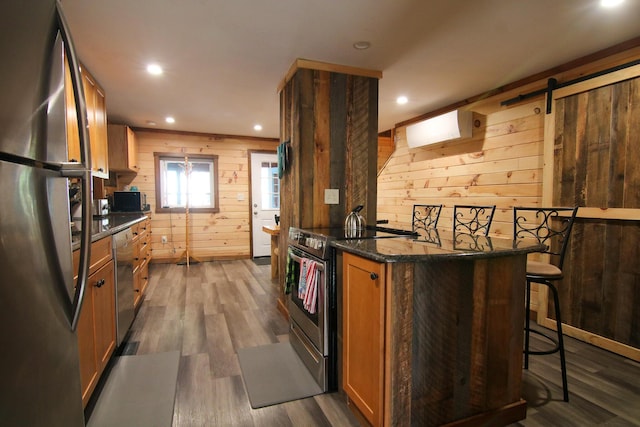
194,181
269,186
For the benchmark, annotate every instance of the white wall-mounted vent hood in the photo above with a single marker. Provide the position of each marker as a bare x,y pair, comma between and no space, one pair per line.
445,127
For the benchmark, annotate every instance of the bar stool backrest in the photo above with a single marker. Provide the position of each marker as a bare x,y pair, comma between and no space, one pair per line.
473,219
425,217
550,226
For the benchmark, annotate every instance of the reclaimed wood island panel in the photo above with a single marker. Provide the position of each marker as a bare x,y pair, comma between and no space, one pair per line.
446,318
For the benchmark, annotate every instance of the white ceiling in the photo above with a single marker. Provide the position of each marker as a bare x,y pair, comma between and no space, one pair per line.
224,59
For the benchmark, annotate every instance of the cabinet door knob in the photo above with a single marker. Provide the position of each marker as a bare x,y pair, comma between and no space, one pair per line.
99,283
374,276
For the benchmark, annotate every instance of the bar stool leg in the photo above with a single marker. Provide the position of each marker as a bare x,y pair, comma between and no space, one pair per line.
527,322
563,363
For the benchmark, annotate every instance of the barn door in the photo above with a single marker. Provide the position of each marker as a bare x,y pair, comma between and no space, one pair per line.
592,160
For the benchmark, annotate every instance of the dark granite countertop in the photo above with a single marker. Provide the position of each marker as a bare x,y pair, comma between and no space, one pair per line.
439,245
102,227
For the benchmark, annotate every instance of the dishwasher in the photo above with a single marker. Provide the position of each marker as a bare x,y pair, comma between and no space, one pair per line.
123,256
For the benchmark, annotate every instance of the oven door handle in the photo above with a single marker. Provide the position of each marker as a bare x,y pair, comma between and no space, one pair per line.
319,266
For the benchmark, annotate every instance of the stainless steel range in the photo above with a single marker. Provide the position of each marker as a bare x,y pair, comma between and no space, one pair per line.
313,330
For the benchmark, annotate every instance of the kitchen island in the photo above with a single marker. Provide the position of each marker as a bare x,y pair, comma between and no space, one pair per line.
432,329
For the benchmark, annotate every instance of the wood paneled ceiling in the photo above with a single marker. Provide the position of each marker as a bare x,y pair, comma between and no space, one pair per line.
224,59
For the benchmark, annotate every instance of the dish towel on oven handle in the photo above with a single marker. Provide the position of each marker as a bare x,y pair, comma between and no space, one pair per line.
302,280
311,295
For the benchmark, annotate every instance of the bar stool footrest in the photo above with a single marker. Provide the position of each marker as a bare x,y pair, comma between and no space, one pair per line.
542,352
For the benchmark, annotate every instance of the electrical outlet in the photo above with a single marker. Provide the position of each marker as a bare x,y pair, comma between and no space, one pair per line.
164,239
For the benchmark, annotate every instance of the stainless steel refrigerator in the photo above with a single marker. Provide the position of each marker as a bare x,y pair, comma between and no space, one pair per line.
39,304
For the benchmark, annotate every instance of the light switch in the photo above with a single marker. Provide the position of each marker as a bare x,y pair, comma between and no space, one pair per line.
331,196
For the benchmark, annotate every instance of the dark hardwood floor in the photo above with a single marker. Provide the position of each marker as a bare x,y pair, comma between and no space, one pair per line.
210,310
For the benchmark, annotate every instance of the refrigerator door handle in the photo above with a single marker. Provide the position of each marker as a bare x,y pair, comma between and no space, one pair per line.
85,250
83,170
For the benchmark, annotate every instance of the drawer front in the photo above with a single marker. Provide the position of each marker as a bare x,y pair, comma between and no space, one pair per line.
144,253
137,259
101,253
145,225
144,277
135,231
137,288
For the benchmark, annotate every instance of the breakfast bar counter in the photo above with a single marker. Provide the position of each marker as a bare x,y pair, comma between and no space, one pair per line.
274,232
431,329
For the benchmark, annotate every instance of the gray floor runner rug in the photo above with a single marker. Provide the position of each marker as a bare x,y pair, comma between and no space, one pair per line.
275,374
140,391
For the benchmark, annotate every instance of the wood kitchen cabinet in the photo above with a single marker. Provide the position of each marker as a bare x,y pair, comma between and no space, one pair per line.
141,257
363,334
97,118
432,331
123,149
97,121
97,323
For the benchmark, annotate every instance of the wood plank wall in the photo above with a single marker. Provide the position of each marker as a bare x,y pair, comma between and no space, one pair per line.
386,147
330,120
502,164
222,235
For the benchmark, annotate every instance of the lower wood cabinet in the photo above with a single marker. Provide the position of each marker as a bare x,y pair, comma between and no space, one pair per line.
364,335
141,258
97,323
434,342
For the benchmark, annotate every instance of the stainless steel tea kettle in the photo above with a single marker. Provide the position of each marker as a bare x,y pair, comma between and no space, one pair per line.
354,221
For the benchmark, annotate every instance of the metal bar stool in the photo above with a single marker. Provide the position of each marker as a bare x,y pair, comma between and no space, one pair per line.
425,217
473,219
551,227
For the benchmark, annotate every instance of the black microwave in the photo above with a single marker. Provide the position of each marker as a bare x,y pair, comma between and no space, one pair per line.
127,201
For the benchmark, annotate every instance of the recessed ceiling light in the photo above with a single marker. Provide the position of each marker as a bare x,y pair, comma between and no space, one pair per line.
257,127
610,3
151,123
170,120
402,100
362,45
154,69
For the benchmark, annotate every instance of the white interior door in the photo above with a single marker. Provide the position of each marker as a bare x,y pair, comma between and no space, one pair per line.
265,199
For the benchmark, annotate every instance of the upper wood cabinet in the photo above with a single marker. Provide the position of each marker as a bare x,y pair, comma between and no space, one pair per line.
97,121
97,118
123,149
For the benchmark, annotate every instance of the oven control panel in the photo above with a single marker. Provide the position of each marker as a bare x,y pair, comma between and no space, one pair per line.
313,243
